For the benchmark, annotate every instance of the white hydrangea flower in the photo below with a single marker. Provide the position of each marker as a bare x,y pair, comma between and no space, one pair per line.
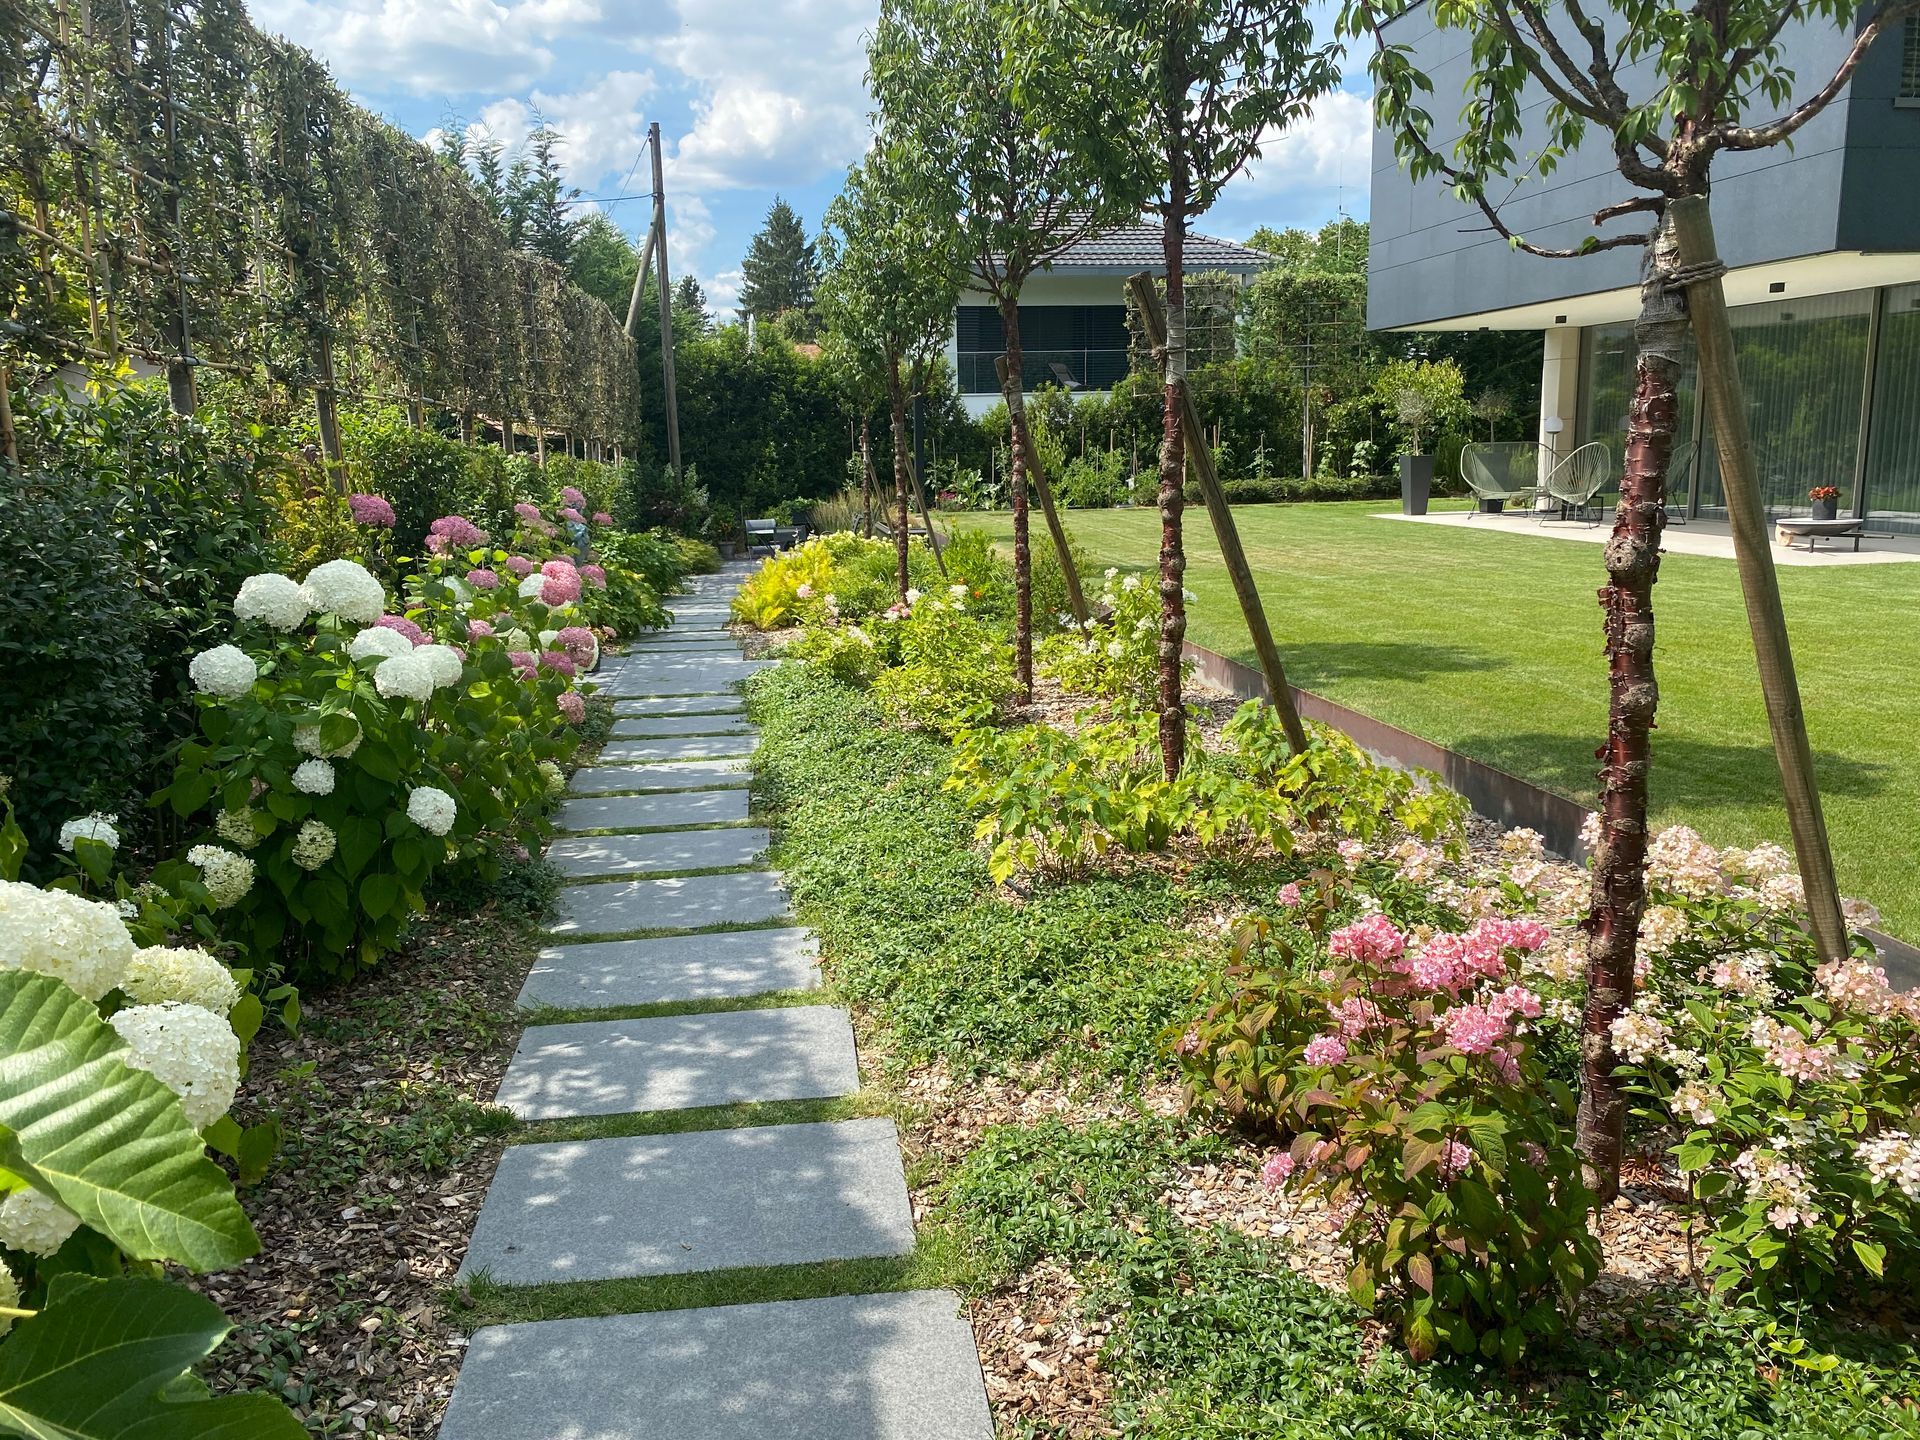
1132,582
191,1051
314,777
227,876
346,589
314,845
445,661
224,670
91,827
913,597
192,977
379,642
516,639
1638,1037
530,584
556,779
409,677
306,739
1892,1158
236,828
9,1297
431,809
82,943
35,1223
275,599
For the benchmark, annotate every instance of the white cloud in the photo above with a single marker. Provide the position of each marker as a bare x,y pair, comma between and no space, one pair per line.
427,47
601,128
723,291
1333,146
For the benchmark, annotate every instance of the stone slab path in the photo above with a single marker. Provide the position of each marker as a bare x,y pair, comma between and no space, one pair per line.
654,1026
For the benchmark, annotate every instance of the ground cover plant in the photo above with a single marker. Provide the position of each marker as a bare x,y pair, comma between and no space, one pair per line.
1482,643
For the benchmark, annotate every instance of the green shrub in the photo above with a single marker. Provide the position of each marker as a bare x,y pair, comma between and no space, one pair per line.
73,626
422,474
655,557
954,671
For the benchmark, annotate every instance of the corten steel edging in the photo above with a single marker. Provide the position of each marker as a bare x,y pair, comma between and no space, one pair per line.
1506,799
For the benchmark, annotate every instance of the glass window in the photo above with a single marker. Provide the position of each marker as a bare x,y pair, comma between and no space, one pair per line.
1804,366
1078,347
1606,371
1893,455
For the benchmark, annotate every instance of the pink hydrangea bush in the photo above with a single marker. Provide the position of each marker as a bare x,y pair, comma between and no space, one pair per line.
1400,1067
373,510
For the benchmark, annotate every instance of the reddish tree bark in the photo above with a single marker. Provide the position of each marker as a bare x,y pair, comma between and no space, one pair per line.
1633,566
867,486
1173,557
1019,443
897,406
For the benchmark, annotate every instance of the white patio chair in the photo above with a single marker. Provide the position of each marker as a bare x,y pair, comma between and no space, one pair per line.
1576,480
1502,470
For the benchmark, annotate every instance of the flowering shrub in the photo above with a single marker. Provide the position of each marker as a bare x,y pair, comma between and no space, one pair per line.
1793,1087
1115,655
954,671
1401,1068
787,587
852,654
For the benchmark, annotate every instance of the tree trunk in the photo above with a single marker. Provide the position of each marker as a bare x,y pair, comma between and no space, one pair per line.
1726,403
897,406
1633,565
1018,441
1173,559
866,474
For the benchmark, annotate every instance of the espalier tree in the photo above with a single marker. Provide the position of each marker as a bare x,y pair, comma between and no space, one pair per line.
1023,192
1667,90
889,291
1174,98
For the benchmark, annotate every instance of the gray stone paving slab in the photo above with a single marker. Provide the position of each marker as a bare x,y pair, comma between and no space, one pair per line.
681,904
676,640
704,1200
662,676
689,775
580,856
849,1367
678,1062
653,727
676,747
605,973
726,703
637,812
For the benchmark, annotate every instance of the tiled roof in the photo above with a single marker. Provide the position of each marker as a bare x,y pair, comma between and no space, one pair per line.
1137,247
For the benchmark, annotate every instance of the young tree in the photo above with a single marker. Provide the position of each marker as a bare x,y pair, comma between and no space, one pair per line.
1667,89
541,201
889,290
1177,96
1023,194
781,268
604,262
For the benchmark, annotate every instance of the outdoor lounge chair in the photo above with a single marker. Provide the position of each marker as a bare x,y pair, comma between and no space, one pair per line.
1576,480
1502,470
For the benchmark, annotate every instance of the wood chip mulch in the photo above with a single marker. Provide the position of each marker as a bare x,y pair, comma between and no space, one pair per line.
385,1094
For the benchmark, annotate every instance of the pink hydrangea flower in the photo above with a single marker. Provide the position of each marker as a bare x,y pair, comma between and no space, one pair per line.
1454,1159
1290,894
478,629
1355,1016
404,626
573,705
594,576
578,641
1473,1029
1325,1050
527,511
558,590
458,531
519,566
1373,940
483,579
572,516
559,662
558,567
371,510
1515,1000
601,517
524,662
1277,1171
1352,852
573,495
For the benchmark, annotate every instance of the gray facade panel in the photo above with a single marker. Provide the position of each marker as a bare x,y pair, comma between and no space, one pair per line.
1435,259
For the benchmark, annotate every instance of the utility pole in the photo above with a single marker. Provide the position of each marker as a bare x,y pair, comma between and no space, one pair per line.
654,255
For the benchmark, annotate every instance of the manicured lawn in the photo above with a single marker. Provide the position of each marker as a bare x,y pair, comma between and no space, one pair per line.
1490,644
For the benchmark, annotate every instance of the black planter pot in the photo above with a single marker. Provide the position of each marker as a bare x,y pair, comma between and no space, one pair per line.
1492,507
1416,483
1826,510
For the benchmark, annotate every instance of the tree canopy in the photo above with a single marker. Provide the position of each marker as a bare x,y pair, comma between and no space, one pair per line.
781,268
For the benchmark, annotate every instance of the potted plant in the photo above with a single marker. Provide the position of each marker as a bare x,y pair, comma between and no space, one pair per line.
1826,501
1413,412
1420,396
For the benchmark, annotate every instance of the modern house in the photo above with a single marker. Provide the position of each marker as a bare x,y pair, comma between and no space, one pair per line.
1073,313
1822,242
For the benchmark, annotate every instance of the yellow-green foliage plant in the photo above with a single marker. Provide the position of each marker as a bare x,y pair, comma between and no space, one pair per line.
786,587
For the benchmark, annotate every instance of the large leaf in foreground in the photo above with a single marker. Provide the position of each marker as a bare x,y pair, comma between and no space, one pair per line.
111,1142
93,1366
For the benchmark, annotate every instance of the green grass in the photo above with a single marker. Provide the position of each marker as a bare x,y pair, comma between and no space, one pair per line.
1490,644
704,1117
712,1005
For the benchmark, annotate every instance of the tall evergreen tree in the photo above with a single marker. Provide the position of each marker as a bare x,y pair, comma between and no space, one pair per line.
604,262
483,154
543,201
690,308
781,268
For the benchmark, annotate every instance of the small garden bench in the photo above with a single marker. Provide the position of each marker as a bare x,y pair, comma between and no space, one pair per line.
1814,531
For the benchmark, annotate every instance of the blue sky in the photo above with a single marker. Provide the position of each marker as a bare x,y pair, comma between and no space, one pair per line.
754,98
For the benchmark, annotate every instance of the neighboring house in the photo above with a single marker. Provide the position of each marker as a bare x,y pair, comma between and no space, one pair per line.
1822,242
1073,314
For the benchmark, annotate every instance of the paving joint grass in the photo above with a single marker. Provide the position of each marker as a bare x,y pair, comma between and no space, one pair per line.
705,1005
747,824
693,874
667,932
745,1115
